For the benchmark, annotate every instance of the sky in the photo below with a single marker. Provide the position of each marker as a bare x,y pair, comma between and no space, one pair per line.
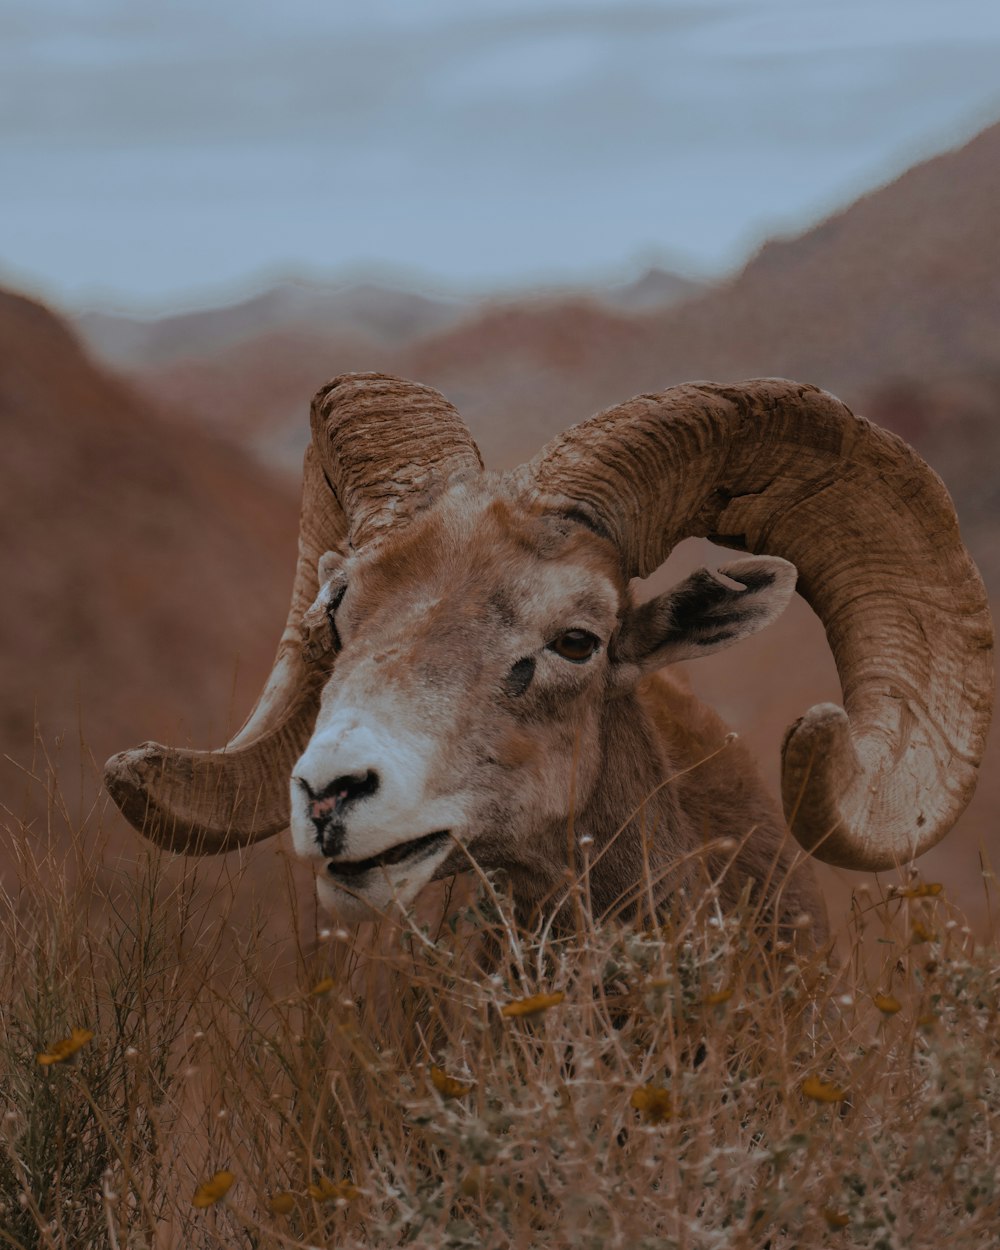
157,154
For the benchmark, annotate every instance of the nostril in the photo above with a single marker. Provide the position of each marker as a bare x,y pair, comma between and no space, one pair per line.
331,800
354,785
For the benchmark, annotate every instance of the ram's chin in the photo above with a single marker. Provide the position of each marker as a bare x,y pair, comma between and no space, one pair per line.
386,892
341,906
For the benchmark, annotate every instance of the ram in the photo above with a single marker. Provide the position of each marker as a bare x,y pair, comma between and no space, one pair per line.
465,677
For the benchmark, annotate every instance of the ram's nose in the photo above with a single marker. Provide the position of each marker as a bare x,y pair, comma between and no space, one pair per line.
327,805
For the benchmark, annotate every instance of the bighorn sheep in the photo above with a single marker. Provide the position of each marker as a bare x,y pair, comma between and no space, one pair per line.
465,674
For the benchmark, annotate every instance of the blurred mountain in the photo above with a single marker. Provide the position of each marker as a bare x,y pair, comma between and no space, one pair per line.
656,288
146,566
893,304
383,315
904,283
900,288
246,370
364,314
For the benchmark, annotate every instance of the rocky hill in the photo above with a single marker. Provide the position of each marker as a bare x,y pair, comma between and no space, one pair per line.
903,284
145,565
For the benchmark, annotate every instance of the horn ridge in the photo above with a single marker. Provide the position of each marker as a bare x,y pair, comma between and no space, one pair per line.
380,448
208,802
785,469
388,448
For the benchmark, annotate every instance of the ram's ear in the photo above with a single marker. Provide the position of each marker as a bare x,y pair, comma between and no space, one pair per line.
710,610
320,640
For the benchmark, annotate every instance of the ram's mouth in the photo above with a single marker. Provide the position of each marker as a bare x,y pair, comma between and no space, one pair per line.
402,852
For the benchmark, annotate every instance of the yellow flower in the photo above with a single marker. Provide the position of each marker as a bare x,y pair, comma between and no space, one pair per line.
718,997
331,1191
322,987
476,1184
822,1091
447,1086
653,1101
66,1048
533,1005
923,933
213,1190
282,1203
923,889
887,1004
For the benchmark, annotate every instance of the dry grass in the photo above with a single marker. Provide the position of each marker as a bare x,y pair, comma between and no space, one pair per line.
660,1089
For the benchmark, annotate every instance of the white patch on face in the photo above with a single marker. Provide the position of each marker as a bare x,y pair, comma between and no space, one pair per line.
401,808
382,889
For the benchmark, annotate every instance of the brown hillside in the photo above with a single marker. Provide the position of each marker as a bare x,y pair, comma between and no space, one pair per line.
903,284
256,394
145,567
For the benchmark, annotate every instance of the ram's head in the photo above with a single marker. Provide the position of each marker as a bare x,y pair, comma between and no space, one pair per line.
455,636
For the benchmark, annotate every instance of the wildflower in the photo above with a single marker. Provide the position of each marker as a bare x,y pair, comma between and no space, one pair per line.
282,1203
447,1086
213,1190
887,1004
822,1091
476,1183
66,1048
332,1191
718,997
922,933
922,889
653,1101
532,1006
322,987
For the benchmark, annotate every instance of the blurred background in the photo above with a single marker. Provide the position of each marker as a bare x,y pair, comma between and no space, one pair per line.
540,208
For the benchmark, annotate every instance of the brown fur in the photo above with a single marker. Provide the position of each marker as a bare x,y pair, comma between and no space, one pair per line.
433,620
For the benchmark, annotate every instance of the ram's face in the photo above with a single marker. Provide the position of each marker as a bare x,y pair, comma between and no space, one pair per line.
463,708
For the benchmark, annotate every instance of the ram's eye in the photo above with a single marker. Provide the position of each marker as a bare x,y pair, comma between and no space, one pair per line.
576,645
333,603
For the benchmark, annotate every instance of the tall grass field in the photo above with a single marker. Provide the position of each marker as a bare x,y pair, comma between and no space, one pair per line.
189,1062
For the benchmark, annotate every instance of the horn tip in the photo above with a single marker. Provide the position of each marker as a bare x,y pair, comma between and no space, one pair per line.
126,779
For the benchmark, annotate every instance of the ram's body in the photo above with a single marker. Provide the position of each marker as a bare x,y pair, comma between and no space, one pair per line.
466,678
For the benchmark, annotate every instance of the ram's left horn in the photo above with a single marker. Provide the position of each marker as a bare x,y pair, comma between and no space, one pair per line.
381,449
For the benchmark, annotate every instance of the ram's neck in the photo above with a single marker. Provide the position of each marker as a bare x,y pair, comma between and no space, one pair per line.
623,846
639,853
673,788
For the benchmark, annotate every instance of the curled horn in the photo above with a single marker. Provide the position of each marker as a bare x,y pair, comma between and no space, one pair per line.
381,449
774,467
